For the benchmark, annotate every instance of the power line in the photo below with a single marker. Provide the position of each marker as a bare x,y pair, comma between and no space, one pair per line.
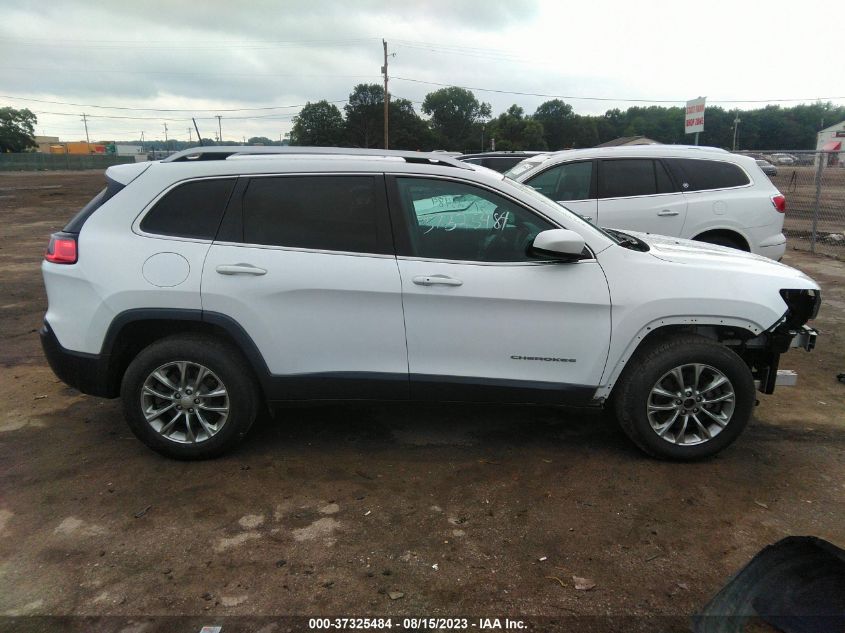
179,73
136,109
165,46
577,98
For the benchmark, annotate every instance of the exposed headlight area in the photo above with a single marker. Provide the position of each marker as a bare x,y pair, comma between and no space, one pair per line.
802,305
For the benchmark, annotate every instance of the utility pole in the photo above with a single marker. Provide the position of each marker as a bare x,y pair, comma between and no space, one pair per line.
87,140
736,126
219,129
386,94
165,136
142,141
190,135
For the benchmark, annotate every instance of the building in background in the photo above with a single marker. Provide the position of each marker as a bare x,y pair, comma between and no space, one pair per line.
44,143
127,149
831,139
78,147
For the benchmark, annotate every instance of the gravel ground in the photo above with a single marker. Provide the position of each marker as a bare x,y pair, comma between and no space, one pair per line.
337,510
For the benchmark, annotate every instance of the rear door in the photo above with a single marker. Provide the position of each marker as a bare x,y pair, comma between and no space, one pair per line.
572,185
305,265
638,194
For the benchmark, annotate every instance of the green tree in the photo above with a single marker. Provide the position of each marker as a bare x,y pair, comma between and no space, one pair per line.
318,124
455,117
261,140
559,123
365,116
407,130
514,131
17,129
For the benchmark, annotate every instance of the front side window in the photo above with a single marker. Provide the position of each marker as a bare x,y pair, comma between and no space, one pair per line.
451,220
568,181
333,213
699,175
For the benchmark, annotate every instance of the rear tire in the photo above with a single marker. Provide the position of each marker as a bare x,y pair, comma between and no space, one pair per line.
684,398
189,397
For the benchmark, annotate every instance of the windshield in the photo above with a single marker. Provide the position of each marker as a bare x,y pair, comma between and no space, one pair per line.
520,168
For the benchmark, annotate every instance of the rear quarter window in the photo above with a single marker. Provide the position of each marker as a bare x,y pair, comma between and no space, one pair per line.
193,209
701,175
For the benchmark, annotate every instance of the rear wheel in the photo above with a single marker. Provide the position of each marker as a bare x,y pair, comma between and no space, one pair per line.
685,398
189,397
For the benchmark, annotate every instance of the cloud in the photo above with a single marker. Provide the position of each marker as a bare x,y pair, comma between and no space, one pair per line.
216,54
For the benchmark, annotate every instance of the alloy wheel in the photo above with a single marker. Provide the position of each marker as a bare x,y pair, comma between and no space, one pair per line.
185,402
691,404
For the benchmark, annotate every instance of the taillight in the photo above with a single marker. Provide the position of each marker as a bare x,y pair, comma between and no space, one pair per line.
780,202
61,249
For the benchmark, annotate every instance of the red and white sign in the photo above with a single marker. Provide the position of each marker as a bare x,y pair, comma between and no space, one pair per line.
694,119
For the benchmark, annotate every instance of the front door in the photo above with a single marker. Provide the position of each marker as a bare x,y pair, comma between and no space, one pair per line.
485,319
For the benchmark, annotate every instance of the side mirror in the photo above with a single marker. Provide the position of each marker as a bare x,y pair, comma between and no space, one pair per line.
560,244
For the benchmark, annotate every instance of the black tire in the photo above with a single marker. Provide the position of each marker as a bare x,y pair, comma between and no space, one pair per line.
228,368
632,393
723,240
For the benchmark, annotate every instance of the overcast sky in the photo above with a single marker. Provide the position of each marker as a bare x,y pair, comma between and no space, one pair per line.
209,57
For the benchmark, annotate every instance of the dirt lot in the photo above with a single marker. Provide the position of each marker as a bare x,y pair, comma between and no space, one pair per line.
326,511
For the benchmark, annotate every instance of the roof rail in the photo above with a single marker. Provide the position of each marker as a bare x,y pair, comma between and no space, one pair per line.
222,152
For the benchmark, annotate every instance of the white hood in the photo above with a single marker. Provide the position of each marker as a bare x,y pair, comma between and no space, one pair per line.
705,255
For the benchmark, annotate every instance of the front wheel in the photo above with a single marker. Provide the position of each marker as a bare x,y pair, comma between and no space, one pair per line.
189,397
685,398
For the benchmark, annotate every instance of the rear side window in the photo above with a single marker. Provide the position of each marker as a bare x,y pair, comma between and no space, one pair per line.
333,213
192,209
628,177
699,175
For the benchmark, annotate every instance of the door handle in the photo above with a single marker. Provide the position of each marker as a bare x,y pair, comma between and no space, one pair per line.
437,280
240,269
667,212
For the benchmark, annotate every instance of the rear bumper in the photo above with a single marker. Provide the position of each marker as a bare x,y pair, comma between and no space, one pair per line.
773,248
89,373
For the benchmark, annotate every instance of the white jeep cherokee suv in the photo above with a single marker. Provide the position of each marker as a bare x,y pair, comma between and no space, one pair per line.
699,193
200,286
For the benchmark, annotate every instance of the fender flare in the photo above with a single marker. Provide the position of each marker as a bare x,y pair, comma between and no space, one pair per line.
614,370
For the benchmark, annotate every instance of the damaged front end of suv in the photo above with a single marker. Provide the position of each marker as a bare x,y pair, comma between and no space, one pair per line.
762,353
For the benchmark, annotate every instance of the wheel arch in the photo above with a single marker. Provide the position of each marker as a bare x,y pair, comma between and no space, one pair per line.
133,330
727,233
727,331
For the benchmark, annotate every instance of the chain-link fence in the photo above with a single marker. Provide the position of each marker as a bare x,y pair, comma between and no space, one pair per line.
814,186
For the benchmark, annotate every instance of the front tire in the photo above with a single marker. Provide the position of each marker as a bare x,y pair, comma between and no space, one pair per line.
189,397
684,398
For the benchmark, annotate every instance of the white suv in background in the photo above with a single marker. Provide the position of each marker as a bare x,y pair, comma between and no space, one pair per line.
200,286
699,193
